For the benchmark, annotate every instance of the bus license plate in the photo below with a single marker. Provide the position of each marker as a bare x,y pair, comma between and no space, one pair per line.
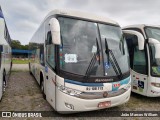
104,104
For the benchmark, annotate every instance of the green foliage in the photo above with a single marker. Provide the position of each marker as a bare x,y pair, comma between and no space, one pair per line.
20,61
16,44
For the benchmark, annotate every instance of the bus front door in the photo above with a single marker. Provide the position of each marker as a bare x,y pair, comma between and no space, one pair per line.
50,70
138,63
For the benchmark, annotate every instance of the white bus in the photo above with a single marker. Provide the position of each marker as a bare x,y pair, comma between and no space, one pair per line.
144,46
80,61
5,54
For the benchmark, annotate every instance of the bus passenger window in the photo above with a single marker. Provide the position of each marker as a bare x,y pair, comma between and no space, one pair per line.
50,51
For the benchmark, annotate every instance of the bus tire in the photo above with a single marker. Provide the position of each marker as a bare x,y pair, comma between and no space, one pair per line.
3,84
42,86
29,68
11,66
4,81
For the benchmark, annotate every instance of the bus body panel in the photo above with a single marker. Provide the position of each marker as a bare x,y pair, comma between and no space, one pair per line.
153,91
5,59
65,104
139,83
50,83
1,83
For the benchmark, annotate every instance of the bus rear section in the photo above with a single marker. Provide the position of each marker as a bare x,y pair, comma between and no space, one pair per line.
86,62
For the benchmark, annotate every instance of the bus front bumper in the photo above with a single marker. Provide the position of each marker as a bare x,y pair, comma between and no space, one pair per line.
153,91
69,104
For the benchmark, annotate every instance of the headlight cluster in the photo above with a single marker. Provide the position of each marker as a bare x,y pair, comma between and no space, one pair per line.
155,84
127,86
68,91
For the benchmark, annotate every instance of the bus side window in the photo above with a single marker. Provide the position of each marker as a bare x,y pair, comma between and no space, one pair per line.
50,51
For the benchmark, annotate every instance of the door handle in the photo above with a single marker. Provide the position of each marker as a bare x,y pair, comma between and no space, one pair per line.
47,77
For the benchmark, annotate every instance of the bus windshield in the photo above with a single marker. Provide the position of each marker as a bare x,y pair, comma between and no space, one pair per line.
155,62
82,40
153,32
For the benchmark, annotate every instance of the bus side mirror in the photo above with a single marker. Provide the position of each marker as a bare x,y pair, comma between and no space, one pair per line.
139,36
1,48
55,31
156,43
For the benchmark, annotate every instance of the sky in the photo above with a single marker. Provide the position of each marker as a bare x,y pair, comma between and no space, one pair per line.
23,17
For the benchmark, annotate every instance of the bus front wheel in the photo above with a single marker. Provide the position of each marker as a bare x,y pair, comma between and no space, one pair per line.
4,82
42,89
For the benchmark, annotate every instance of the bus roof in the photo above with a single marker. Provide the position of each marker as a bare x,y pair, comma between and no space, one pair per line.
140,26
79,14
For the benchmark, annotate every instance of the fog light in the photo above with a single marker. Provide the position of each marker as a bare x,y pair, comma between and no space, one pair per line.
127,86
105,94
70,106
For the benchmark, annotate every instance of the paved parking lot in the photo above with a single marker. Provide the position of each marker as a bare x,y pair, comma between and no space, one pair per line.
20,67
23,94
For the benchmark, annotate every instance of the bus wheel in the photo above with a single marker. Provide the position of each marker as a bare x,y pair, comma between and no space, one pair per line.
4,82
30,69
3,85
42,89
11,66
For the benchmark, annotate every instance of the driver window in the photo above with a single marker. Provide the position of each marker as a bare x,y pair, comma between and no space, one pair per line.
50,51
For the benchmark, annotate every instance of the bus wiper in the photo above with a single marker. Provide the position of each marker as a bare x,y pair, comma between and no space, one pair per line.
114,63
117,65
98,51
108,57
93,61
107,50
91,64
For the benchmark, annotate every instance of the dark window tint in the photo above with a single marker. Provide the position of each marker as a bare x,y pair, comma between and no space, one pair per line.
139,61
137,57
50,51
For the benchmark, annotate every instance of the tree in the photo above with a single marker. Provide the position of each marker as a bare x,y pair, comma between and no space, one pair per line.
16,44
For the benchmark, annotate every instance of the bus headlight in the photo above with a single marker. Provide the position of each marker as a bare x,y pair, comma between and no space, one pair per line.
68,91
155,84
127,86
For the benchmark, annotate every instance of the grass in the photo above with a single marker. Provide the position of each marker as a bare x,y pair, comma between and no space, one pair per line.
19,61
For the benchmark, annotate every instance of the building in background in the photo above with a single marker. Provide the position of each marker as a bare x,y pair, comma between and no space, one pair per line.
17,53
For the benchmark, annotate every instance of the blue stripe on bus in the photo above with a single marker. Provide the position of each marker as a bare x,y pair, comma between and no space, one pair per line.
83,84
122,82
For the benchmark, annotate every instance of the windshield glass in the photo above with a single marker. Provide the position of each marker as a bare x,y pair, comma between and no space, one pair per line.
116,44
155,62
153,32
79,44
